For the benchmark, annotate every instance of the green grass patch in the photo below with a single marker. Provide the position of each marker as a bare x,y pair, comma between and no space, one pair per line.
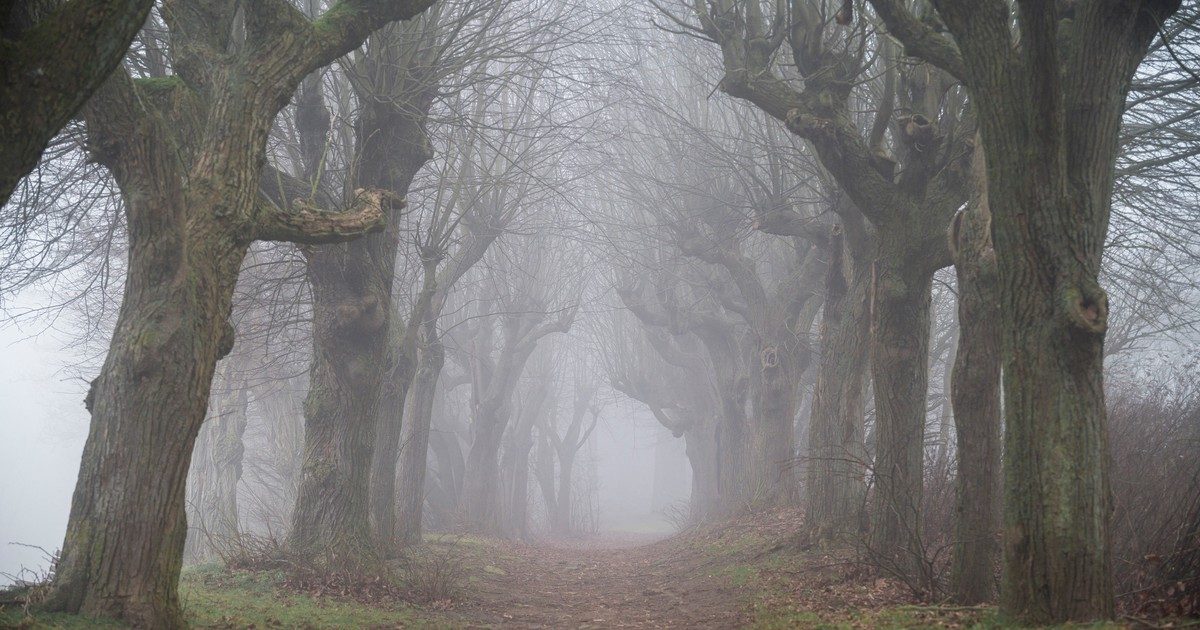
14,618
213,597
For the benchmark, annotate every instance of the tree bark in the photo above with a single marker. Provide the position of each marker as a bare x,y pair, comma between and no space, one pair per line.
1050,115
837,458
331,519
147,407
975,392
352,313
56,55
415,442
187,153
899,346
700,446
775,388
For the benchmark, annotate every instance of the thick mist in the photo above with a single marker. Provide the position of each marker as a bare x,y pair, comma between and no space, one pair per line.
612,313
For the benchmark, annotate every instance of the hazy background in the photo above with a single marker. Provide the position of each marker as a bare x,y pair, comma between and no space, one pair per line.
42,428
43,425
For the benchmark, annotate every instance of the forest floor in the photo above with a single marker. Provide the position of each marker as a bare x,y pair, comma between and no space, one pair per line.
749,573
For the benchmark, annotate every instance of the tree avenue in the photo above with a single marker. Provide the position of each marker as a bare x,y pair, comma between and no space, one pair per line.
630,313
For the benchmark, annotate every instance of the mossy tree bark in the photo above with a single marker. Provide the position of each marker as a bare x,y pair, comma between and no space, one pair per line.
899,348
187,153
1050,96
56,54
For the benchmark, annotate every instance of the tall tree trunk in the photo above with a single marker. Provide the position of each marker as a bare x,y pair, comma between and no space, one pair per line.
1057,492
381,494
976,395
331,517
730,437
900,321
836,466
352,308
217,468
479,505
975,390
414,451
1050,117
560,516
187,153
699,444
147,407
775,388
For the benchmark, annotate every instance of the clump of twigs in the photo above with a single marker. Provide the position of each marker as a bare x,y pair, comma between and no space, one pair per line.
422,575
433,576
29,587
1155,432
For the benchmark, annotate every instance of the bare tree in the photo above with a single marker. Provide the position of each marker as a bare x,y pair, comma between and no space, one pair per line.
497,364
908,189
566,446
1050,89
187,151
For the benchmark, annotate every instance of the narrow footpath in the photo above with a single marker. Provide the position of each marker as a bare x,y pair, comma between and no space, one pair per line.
610,583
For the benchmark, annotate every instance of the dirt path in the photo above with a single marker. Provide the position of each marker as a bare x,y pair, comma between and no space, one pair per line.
623,583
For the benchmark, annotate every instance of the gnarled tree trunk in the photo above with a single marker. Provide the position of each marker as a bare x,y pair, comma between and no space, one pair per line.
187,152
1050,98
147,407
352,312
775,389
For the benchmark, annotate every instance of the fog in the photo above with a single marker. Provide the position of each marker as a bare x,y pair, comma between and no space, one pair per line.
43,425
42,428
616,313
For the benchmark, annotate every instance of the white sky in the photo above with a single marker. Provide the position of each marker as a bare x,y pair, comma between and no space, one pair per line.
42,428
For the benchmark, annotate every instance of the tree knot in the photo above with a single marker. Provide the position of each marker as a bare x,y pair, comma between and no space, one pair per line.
1086,306
769,357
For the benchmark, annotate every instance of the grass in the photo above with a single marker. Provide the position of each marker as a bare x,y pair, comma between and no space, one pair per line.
215,598
786,588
